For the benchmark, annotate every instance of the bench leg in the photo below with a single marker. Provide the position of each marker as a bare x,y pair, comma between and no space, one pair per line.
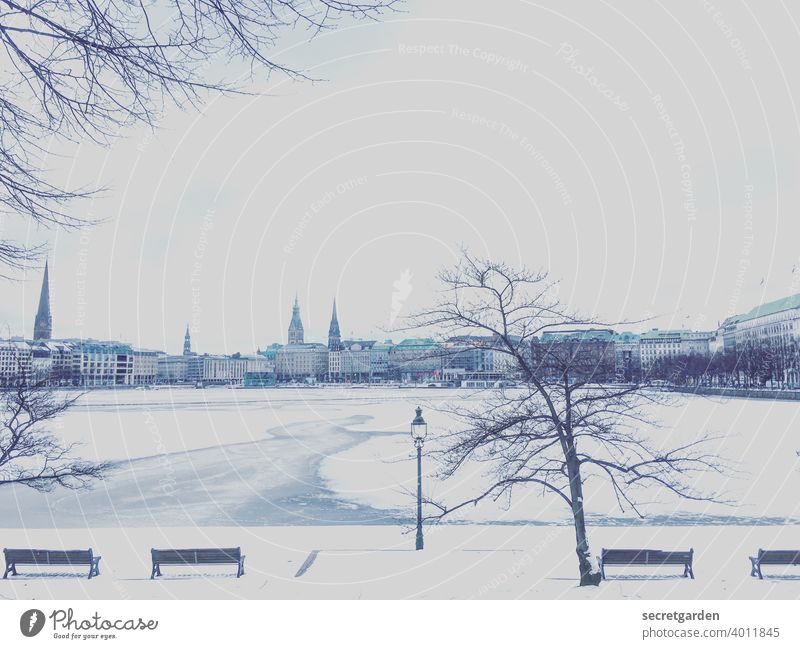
240,571
5,574
96,567
687,571
602,571
753,562
758,568
155,571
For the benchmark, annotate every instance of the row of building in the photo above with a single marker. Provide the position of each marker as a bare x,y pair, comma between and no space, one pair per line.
764,342
771,329
94,363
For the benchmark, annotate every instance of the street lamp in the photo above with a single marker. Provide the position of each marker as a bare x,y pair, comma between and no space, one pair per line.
419,431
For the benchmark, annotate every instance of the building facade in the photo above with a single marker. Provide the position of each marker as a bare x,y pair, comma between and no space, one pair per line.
627,357
414,360
575,355
16,362
301,362
771,333
669,344
145,366
103,363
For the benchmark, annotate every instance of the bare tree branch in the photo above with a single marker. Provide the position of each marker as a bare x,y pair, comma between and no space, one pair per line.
567,421
76,69
32,456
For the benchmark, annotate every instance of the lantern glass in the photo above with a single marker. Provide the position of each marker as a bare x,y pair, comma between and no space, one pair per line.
419,428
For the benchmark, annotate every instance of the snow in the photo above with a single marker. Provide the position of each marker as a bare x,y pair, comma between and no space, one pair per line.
285,473
375,562
220,457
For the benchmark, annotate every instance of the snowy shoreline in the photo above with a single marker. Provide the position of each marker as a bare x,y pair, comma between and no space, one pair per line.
379,562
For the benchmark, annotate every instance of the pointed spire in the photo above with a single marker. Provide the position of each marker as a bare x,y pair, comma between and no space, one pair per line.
43,324
296,325
334,335
187,342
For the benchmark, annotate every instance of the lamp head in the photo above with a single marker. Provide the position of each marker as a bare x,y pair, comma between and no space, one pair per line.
419,428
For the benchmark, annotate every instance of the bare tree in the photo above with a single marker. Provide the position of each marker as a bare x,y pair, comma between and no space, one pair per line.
30,454
566,422
86,68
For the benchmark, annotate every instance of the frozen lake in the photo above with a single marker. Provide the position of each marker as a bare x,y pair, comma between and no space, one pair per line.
331,456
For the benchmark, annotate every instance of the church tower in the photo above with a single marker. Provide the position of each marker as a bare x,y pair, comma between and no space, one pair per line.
334,336
187,343
296,325
43,324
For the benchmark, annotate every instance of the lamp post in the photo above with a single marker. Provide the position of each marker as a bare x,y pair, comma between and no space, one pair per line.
419,430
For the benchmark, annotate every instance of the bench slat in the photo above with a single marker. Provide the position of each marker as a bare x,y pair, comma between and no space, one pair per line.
779,557
48,557
195,556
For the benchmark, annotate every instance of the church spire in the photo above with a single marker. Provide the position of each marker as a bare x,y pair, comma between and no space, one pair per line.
43,324
296,325
187,342
334,336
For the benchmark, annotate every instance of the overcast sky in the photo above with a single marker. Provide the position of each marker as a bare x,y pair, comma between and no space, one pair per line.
646,153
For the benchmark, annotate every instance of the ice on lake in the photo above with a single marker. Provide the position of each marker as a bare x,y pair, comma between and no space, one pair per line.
334,456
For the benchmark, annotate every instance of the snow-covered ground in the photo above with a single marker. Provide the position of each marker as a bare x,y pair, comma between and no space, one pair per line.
459,561
325,456
315,486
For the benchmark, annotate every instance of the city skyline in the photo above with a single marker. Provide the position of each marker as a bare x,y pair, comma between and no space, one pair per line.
43,325
215,212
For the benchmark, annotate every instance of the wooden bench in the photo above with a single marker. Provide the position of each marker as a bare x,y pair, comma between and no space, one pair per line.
196,557
773,558
647,558
25,557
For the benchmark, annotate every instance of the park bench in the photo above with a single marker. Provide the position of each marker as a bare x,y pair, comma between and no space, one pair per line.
25,557
647,558
196,557
773,558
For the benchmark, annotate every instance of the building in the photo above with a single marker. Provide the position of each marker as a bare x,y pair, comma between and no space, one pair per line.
415,359
173,369
334,365
145,366
770,331
627,357
16,362
727,333
259,379
52,363
295,336
379,360
43,324
103,363
667,344
187,343
356,361
215,369
334,335
473,358
302,362
578,354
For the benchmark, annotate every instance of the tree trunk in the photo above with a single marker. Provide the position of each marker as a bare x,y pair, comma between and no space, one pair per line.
587,564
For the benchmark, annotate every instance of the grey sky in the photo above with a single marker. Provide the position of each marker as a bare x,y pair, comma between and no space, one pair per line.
644,152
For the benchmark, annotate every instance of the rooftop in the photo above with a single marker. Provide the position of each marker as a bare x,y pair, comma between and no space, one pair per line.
578,334
784,304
